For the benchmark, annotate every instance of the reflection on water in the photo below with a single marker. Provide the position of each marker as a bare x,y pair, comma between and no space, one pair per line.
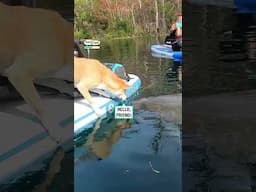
142,155
175,72
48,178
219,125
98,141
237,48
217,52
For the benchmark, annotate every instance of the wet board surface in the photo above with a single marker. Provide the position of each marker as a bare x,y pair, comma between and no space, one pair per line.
85,117
24,143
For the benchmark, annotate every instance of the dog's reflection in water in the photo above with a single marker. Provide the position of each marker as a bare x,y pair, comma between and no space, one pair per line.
54,168
98,144
100,141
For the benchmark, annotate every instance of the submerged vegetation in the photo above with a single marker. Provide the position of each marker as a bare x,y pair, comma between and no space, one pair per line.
123,18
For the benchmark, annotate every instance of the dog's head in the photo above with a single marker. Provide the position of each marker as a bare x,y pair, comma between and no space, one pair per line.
121,89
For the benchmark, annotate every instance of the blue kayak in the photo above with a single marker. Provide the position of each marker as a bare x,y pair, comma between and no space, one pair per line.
246,6
165,51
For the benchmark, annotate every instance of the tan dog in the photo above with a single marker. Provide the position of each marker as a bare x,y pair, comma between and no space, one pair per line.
34,42
90,73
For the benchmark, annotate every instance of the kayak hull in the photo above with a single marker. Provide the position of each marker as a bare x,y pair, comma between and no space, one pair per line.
166,52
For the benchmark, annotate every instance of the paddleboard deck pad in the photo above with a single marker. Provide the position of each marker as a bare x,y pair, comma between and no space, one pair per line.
25,146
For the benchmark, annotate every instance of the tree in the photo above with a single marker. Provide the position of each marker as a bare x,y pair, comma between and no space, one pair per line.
116,18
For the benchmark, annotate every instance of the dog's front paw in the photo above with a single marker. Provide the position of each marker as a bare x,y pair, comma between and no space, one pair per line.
53,131
53,134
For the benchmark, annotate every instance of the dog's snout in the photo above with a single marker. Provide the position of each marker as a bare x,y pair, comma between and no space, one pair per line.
123,97
76,53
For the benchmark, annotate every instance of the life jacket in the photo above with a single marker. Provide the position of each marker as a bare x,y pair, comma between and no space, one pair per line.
170,38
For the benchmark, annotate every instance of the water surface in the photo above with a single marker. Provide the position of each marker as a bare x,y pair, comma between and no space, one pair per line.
218,133
126,156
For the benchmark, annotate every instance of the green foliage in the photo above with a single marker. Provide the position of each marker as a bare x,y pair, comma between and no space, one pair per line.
120,28
120,18
170,10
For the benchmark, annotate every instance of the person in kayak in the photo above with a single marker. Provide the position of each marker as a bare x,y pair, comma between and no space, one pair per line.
175,37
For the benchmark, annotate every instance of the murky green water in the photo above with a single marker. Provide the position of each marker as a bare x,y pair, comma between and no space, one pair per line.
126,156
218,133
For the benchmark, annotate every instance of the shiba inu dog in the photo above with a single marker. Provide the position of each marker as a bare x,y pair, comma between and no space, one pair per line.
34,42
90,73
